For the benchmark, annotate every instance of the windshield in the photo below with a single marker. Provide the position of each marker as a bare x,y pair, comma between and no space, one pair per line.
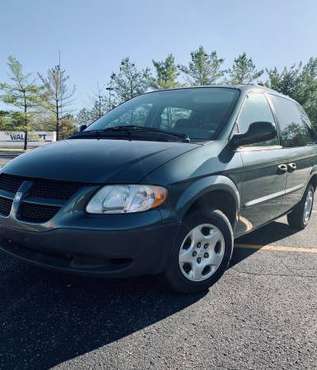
198,113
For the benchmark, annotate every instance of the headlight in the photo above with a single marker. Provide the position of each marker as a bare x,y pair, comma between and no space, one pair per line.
126,199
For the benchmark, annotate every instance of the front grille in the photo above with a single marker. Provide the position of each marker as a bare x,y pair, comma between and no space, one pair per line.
5,206
10,183
53,189
36,212
41,188
32,208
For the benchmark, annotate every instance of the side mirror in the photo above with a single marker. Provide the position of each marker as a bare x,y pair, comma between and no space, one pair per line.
257,132
82,128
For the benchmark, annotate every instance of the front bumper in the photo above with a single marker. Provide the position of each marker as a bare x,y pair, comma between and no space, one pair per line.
108,245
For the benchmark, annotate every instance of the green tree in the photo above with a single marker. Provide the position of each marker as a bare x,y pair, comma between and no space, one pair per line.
43,121
285,82
130,81
22,93
46,122
306,93
204,68
4,120
102,103
99,108
56,94
243,70
166,73
300,83
68,126
84,117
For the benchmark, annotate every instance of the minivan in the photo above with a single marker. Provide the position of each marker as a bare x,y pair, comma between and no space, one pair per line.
162,184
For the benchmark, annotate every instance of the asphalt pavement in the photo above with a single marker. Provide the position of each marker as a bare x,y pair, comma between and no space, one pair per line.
261,315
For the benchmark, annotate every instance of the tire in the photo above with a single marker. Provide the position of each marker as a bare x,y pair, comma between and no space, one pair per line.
300,216
213,232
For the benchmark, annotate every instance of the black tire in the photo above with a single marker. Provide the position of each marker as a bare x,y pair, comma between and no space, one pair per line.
173,274
296,219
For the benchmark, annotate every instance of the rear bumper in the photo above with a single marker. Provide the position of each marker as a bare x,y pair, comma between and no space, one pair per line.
116,250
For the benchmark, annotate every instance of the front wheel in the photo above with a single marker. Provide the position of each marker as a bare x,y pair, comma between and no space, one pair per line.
202,252
300,216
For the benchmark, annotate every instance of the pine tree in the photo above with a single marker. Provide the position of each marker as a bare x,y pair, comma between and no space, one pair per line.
204,68
22,93
243,70
166,73
130,81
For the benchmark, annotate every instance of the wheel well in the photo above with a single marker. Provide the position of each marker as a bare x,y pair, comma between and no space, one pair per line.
217,199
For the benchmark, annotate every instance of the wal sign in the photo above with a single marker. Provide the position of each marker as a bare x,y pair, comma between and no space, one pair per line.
15,139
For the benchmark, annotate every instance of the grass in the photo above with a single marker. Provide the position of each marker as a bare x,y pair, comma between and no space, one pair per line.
13,150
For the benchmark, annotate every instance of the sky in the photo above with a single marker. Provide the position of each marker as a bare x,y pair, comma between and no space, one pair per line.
94,35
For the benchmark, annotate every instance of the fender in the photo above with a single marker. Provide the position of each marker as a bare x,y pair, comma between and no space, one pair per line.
203,186
313,173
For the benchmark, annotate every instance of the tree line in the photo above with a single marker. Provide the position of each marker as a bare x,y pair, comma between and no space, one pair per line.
36,102
43,102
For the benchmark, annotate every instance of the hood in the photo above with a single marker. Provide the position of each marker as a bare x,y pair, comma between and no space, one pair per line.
96,161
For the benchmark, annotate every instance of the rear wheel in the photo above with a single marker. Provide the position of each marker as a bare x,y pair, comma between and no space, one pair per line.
300,216
202,252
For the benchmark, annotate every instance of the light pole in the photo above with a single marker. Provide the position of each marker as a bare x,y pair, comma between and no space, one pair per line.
110,89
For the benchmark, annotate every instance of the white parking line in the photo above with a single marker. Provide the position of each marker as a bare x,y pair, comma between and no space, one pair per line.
278,248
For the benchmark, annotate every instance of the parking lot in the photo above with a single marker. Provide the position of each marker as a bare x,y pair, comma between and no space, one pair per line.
261,314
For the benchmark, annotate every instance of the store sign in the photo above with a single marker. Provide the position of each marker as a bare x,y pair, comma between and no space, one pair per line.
35,138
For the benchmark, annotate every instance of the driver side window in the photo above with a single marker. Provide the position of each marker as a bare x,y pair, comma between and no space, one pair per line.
255,109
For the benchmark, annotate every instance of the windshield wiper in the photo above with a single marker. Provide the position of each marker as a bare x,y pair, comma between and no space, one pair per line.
145,129
98,134
129,130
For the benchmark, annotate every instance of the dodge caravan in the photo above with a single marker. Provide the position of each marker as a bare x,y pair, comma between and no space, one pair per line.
162,184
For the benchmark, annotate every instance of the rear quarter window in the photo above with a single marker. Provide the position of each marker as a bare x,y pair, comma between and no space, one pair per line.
294,124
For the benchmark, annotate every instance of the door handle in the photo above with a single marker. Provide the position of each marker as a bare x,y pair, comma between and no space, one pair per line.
282,168
292,167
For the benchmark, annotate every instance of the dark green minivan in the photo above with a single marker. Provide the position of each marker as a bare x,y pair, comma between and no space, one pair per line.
162,184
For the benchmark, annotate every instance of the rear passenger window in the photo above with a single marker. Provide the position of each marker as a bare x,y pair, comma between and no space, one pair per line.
256,109
294,124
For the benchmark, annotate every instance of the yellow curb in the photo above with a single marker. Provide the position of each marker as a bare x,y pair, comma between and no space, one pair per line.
277,248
